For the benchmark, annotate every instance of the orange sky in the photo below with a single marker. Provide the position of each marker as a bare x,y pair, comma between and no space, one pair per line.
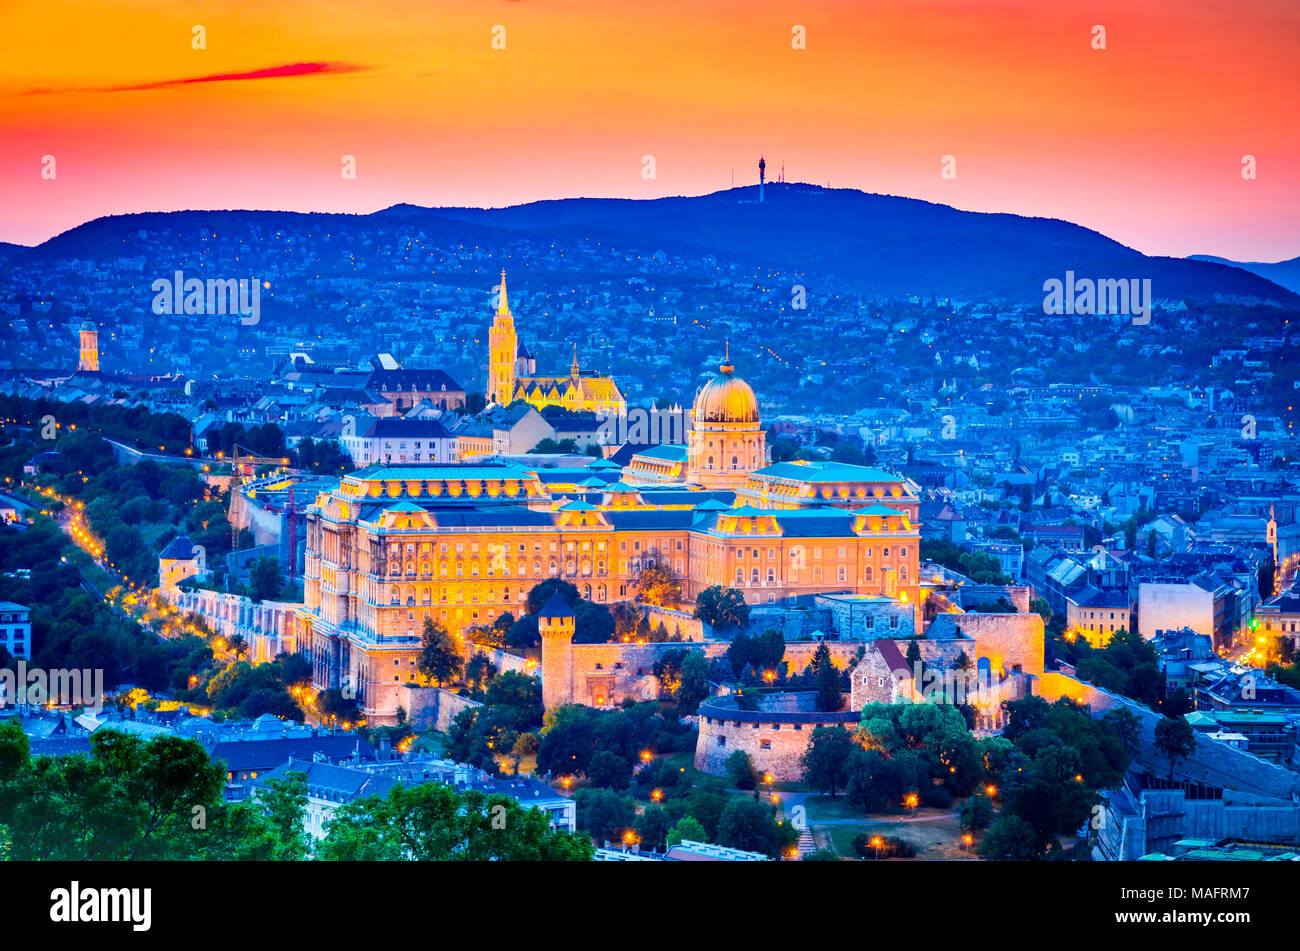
1142,141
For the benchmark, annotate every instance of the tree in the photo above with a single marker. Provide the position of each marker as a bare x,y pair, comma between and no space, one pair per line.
1011,839
479,671
265,580
439,660
609,770
740,770
750,825
1176,740
604,814
541,592
694,685
434,822
826,760
977,813
653,826
723,608
827,678
568,740
657,585
238,646
285,805
128,800
687,829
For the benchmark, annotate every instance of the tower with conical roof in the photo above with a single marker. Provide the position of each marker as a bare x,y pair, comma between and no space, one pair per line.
503,351
556,623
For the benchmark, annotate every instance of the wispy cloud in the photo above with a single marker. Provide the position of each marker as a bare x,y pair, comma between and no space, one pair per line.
270,72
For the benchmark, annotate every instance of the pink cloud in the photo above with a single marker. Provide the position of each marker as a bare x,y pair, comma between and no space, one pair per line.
270,72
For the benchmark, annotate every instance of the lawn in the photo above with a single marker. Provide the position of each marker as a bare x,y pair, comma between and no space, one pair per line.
937,838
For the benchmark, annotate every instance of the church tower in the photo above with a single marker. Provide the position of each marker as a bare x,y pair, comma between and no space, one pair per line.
88,357
503,347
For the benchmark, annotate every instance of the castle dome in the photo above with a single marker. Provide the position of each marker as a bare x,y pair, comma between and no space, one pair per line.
726,399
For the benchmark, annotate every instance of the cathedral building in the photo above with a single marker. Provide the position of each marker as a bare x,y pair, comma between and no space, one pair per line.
464,543
511,374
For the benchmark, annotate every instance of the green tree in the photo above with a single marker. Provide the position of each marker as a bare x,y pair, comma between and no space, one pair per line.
740,770
657,585
827,678
977,813
1011,839
439,660
826,760
1176,740
653,826
434,822
265,579
686,829
723,608
694,686
604,814
751,826
284,802
609,770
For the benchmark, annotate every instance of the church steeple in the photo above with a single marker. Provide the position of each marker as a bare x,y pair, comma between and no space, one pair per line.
503,352
573,367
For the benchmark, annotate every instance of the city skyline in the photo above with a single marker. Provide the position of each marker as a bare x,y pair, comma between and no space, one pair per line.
1031,114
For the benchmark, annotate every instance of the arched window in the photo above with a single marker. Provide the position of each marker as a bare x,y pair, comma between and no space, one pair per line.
394,596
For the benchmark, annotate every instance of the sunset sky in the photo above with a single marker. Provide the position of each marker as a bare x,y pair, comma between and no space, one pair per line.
1142,141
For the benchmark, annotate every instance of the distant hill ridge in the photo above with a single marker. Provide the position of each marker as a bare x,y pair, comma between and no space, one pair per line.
880,244
1283,273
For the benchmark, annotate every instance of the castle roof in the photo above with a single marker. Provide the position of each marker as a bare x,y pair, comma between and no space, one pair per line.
180,548
556,607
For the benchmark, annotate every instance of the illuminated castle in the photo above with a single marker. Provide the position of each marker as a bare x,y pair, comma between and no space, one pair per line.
464,544
510,375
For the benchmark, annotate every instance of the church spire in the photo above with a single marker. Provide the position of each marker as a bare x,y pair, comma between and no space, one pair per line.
503,307
573,367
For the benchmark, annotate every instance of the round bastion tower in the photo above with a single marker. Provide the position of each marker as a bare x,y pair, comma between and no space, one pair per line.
556,624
